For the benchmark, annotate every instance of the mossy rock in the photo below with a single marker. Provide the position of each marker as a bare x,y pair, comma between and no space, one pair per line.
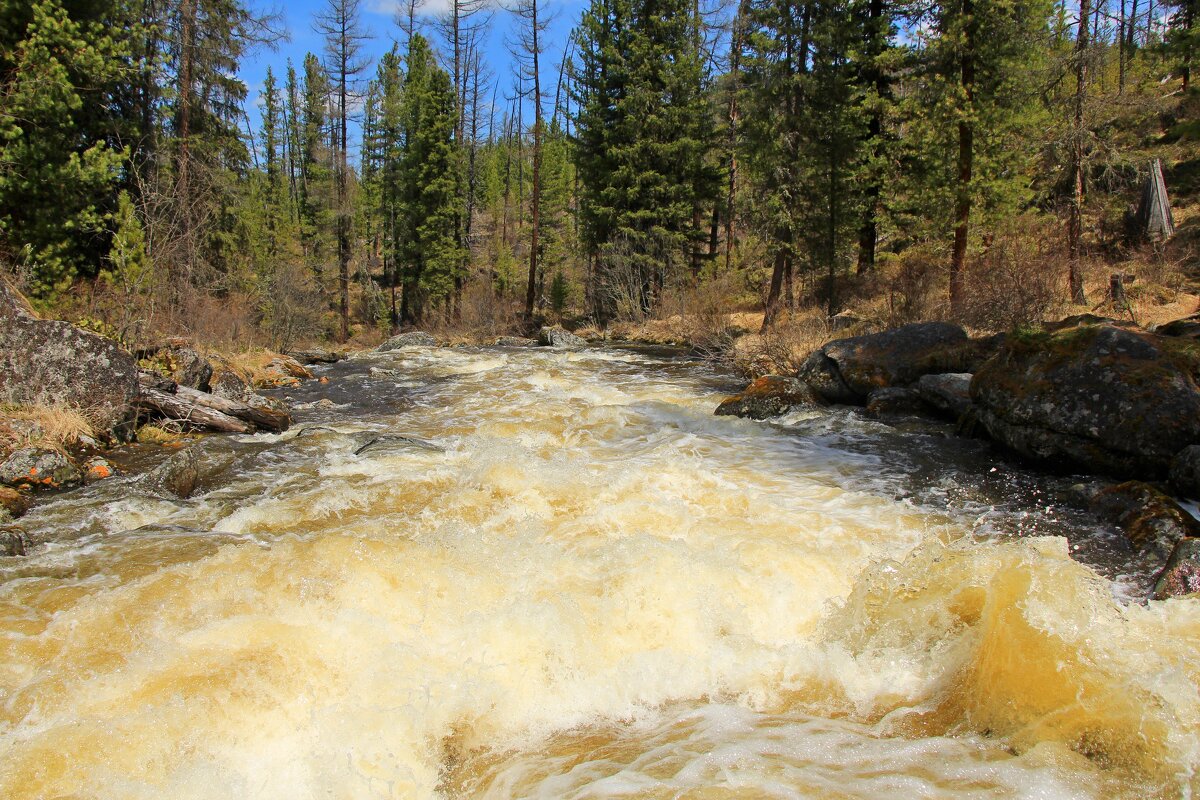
152,434
768,396
1100,397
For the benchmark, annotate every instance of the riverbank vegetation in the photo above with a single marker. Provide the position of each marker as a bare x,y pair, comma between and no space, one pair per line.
688,171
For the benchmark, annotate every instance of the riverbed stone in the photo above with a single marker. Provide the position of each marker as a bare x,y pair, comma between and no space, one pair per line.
12,503
97,469
768,396
1150,520
316,356
13,541
177,476
409,339
1100,397
1181,575
949,393
559,337
48,362
39,468
894,400
848,370
516,341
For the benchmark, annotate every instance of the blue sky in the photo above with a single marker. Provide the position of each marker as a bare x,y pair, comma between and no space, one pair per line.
379,20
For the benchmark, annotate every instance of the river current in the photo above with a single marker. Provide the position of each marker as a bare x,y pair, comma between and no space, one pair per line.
571,580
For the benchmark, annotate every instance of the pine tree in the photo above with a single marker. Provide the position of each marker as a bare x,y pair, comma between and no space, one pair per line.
643,136
430,255
59,174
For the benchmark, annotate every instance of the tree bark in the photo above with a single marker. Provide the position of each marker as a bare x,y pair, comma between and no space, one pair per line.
966,154
177,407
1075,220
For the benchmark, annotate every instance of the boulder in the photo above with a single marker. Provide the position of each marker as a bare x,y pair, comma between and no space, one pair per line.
309,357
949,393
283,371
1100,397
48,362
185,366
559,337
1187,328
1185,471
516,341
97,469
1181,575
848,370
393,442
175,477
12,503
894,400
410,339
13,541
1150,520
768,396
37,468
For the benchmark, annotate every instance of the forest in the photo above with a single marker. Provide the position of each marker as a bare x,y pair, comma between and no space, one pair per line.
965,159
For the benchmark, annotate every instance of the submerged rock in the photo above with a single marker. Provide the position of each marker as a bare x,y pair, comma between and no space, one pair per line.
13,541
12,503
37,468
177,476
410,339
1098,397
894,400
949,393
385,442
768,396
559,337
848,370
1181,575
1151,520
49,362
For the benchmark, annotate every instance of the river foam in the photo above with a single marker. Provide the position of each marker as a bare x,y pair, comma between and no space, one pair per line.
595,589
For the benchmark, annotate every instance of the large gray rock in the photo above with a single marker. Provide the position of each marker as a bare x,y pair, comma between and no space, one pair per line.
559,337
185,366
1098,397
949,393
516,341
410,339
849,370
768,396
1181,575
49,362
175,477
36,468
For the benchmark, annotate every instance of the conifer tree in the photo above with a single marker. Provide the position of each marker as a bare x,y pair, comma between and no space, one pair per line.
430,255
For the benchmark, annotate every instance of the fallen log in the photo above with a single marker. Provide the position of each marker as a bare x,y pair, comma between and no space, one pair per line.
265,418
179,407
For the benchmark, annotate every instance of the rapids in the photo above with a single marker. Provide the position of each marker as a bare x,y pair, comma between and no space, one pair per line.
588,587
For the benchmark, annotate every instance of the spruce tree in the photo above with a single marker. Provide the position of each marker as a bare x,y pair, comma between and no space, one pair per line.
430,255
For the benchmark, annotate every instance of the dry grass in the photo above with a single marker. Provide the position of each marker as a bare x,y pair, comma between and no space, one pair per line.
52,427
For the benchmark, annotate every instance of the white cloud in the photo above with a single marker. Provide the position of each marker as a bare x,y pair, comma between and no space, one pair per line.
425,8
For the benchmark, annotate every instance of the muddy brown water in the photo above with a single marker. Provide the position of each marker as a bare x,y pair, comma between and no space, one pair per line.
589,586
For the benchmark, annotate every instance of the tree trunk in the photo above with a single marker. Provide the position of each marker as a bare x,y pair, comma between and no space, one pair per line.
771,310
966,153
531,289
1075,220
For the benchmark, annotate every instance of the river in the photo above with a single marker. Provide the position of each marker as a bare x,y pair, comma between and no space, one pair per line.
576,582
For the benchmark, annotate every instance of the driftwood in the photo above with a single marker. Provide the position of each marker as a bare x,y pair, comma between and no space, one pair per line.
179,407
264,418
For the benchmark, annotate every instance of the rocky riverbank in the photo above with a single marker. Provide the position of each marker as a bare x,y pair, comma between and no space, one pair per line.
1085,395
